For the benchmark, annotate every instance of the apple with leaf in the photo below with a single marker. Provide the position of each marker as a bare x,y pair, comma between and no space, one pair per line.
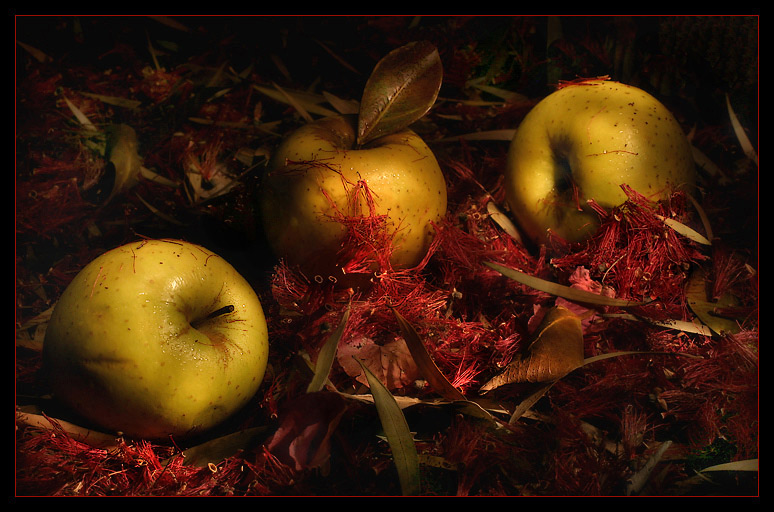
346,196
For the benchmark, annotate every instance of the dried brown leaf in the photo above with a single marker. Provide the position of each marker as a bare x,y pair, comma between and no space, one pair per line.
391,362
555,350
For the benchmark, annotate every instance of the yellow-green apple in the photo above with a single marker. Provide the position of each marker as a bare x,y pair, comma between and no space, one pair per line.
156,338
583,142
317,178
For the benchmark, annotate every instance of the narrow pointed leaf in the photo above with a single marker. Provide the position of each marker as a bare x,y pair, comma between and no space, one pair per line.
560,290
401,89
508,96
396,429
537,394
703,216
80,116
39,55
424,362
739,465
342,106
216,450
610,355
638,480
528,402
506,135
502,220
707,165
741,134
159,213
328,353
704,308
114,100
303,102
84,435
295,104
684,230
157,178
679,325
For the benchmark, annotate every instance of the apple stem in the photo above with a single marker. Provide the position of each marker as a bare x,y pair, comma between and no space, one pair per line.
222,311
196,323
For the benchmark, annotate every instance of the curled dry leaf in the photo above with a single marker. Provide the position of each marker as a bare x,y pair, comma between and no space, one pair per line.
401,89
124,167
555,350
123,160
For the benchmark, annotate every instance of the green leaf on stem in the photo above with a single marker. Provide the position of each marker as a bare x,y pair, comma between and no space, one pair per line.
401,89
